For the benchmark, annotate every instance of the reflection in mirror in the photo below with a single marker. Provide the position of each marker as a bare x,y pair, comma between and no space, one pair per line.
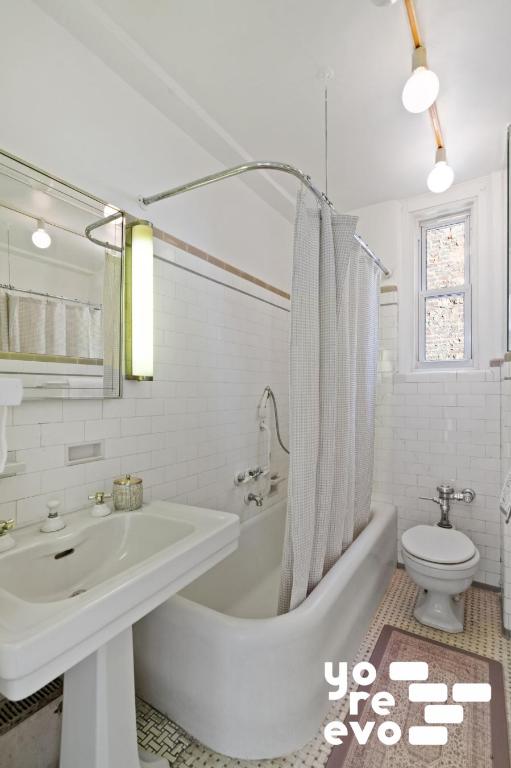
60,294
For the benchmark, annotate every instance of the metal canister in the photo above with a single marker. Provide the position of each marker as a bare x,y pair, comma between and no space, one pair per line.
128,493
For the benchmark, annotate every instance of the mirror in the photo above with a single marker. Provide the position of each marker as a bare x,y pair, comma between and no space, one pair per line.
60,294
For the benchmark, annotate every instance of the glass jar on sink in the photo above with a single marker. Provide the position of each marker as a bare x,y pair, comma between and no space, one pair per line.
128,493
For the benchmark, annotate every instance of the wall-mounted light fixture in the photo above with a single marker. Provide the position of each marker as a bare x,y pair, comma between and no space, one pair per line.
40,236
138,323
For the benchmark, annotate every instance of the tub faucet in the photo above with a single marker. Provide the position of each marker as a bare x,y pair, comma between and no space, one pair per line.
257,497
446,494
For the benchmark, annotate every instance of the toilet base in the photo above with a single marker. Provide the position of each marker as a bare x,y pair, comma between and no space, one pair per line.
440,611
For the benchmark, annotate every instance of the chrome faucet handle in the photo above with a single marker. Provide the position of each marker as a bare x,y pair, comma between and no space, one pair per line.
99,497
6,526
467,495
257,497
430,498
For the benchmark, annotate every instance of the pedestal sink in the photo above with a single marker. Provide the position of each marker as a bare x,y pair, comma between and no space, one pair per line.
68,601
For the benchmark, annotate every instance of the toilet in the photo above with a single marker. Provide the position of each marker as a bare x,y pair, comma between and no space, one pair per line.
442,562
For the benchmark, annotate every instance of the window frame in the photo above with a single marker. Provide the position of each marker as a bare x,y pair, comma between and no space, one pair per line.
447,219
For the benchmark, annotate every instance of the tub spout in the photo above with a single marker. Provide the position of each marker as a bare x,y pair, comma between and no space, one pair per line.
257,497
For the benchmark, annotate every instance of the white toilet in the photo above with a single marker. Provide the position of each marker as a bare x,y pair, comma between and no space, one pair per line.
442,562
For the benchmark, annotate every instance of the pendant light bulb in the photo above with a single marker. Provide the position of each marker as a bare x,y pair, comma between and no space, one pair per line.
441,175
40,237
382,3
422,87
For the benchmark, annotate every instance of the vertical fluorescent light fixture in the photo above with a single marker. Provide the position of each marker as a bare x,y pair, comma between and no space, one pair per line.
139,301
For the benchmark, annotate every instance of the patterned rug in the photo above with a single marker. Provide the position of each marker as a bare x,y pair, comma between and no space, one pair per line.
480,740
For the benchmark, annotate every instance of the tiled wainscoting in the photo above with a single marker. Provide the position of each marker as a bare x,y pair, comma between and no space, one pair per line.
506,467
188,432
435,427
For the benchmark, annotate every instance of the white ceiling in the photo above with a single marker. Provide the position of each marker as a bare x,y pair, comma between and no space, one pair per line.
241,78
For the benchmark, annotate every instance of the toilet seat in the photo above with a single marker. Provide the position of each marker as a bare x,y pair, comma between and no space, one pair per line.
438,546
441,570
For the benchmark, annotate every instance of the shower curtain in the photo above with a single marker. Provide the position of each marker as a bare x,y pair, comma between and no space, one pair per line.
112,321
333,369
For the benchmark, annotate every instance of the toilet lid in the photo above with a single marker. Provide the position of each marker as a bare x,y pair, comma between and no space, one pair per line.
438,545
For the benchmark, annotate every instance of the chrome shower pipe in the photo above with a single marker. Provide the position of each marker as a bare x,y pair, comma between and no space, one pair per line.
257,165
100,223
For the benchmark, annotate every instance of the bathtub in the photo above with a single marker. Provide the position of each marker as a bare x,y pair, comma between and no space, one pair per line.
217,660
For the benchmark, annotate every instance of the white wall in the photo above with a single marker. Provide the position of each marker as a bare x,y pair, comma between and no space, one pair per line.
506,467
380,226
64,110
390,230
436,427
186,433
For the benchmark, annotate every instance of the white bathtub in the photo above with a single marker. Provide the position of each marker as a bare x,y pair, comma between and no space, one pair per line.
247,683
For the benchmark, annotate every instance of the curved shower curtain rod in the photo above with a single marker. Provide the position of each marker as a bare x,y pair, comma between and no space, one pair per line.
257,165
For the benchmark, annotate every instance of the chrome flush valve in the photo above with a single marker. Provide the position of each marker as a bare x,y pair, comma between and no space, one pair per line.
447,494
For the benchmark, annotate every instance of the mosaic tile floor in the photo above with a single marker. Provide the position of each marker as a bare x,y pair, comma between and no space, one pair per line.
482,635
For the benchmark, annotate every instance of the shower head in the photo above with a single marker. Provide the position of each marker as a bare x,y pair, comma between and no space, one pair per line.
263,402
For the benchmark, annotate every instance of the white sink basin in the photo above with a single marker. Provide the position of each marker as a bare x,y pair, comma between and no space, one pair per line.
58,566
68,601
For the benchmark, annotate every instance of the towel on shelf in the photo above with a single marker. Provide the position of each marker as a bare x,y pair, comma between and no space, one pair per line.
47,326
55,328
27,323
505,497
77,330
4,323
95,333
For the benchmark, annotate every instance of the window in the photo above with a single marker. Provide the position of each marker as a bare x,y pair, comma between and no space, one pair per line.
445,328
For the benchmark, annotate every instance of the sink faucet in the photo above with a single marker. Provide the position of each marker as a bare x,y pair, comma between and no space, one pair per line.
257,497
5,526
6,540
447,494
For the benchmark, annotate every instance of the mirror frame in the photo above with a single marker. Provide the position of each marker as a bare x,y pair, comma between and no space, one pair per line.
41,375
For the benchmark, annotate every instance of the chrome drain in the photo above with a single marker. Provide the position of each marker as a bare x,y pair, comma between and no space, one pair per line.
77,592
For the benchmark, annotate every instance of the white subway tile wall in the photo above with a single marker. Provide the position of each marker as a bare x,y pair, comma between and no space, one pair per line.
433,427
186,433
506,467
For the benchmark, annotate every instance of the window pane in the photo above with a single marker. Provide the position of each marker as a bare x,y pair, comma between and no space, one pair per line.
445,256
445,328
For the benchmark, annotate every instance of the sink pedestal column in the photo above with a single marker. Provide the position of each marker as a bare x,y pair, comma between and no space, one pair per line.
99,722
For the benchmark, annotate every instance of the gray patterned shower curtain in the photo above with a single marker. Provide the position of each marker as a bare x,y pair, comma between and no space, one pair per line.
333,370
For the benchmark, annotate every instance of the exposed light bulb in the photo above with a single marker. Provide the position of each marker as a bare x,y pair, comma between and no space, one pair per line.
40,237
441,175
382,3
421,88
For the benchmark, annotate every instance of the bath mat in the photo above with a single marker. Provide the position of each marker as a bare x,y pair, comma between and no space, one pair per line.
480,741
